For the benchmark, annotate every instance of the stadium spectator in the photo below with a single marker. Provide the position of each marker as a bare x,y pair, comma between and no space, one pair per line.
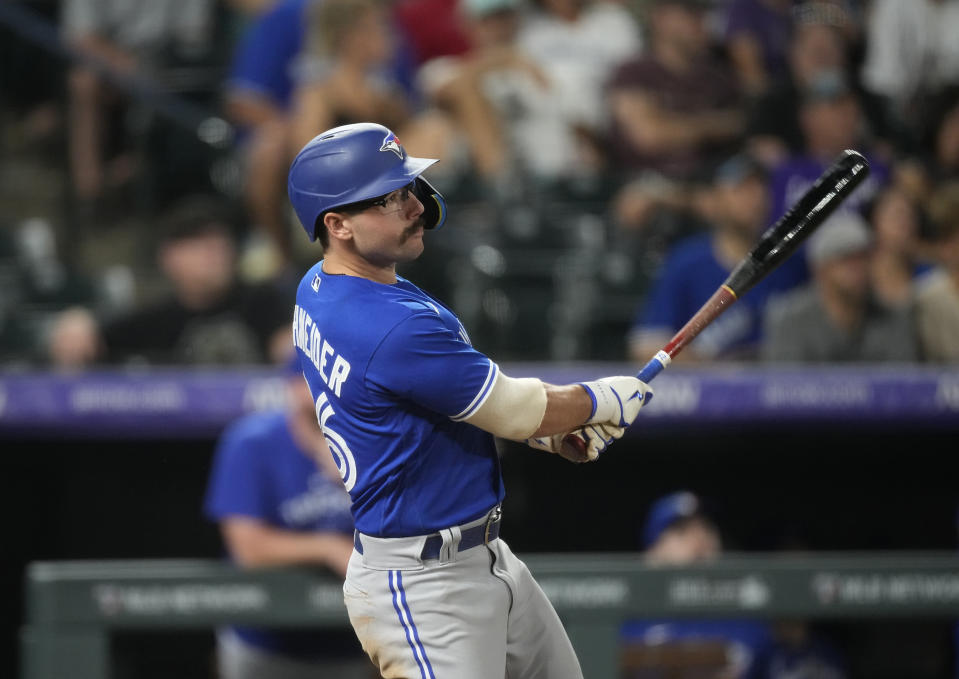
831,119
679,531
37,284
911,53
526,99
937,305
299,64
209,317
941,147
123,38
757,35
276,494
577,44
675,111
697,265
493,95
898,256
345,74
773,129
837,318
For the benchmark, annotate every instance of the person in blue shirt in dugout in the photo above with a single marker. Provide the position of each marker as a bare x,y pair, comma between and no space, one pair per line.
679,531
277,496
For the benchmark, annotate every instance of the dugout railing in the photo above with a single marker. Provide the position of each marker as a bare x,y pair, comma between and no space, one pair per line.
74,607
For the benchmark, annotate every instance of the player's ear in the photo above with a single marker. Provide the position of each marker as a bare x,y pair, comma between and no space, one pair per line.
337,225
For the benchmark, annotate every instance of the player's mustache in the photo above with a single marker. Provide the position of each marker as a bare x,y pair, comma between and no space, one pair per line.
412,228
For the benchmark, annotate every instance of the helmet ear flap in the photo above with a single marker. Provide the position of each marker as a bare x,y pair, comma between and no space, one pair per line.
434,206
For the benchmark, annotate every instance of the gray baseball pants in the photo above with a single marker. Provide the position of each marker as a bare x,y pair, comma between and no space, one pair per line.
471,614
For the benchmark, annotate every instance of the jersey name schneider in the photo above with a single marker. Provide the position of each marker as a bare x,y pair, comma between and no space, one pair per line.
306,336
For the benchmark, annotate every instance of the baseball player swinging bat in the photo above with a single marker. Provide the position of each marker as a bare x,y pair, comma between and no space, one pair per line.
778,242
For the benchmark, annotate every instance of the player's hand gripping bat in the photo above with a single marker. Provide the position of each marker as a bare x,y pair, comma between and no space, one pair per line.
778,242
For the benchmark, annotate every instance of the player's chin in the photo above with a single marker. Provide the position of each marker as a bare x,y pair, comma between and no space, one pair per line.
413,234
411,247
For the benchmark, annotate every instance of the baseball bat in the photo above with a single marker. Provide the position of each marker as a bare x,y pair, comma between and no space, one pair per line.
777,243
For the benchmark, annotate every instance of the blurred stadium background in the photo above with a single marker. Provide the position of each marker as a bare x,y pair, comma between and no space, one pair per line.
108,460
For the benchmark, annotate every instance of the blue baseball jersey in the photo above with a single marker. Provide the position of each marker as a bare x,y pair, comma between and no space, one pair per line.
394,375
260,472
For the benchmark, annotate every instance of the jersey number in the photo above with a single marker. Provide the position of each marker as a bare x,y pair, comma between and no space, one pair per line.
342,454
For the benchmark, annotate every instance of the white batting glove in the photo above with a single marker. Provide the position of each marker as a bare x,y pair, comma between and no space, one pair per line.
595,439
598,438
616,400
551,444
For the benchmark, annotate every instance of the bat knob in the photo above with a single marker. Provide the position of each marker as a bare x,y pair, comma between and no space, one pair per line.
574,449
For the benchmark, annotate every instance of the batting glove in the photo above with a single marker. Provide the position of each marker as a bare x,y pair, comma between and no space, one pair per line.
596,438
616,400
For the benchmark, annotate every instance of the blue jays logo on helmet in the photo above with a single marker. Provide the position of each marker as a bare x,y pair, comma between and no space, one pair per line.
352,163
391,143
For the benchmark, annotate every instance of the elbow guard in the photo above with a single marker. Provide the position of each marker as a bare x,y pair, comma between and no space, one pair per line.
514,408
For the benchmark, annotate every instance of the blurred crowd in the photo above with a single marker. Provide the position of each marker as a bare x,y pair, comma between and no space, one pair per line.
684,128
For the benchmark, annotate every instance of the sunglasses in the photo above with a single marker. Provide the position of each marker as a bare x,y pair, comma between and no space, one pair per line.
394,201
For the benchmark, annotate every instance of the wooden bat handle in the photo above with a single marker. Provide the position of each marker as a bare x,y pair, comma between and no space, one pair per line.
715,305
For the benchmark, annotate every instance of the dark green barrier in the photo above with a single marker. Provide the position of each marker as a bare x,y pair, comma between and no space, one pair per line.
72,607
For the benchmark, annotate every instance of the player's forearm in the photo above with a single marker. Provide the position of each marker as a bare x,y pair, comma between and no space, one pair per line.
567,407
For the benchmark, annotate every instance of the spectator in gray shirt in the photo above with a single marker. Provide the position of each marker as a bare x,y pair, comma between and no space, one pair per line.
836,317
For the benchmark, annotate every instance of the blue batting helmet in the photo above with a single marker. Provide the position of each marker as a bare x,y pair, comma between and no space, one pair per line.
353,163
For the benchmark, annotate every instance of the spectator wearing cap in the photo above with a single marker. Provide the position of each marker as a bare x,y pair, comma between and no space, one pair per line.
831,120
837,318
680,531
937,304
697,265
